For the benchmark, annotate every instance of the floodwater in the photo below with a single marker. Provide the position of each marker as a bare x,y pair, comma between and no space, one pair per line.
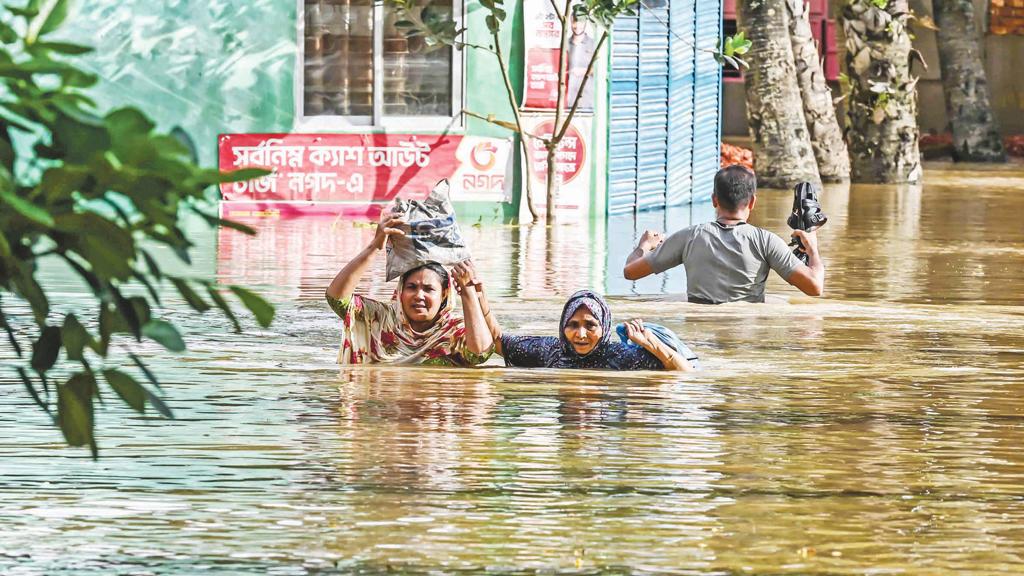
877,430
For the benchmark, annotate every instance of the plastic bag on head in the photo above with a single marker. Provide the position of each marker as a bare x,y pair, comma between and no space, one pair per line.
431,233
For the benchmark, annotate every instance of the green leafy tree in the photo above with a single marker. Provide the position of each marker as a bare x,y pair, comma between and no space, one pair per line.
92,191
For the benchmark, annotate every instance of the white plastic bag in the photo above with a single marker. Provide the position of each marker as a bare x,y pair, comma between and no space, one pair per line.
431,233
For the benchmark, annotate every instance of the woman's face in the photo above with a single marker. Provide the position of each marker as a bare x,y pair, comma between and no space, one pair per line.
583,331
421,297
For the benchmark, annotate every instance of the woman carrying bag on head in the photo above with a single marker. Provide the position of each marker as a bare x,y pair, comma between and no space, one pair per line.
419,324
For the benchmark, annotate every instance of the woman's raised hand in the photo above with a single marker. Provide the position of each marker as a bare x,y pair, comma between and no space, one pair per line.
388,226
639,334
464,273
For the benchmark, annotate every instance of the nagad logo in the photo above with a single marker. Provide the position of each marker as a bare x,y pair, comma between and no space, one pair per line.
483,156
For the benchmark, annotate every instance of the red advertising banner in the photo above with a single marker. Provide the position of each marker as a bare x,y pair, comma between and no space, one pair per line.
314,173
542,33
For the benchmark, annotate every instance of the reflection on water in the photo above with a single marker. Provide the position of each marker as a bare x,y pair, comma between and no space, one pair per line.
875,430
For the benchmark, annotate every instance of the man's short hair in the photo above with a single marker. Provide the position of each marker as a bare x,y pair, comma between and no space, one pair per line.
734,186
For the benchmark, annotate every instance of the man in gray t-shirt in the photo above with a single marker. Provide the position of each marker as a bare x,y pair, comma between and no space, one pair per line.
728,260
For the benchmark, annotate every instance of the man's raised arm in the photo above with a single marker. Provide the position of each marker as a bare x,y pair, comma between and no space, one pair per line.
809,278
637,266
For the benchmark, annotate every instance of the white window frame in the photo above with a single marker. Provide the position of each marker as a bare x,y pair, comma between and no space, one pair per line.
378,121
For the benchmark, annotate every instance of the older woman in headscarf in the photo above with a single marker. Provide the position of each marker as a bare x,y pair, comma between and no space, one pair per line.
585,341
418,325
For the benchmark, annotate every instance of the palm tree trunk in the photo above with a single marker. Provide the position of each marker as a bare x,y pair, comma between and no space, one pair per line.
775,114
819,111
882,110
975,135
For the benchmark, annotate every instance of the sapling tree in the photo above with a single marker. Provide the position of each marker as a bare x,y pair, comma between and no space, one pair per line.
92,191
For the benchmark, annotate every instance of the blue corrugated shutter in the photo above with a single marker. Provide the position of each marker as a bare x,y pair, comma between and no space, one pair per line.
707,125
665,107
624,114
683,61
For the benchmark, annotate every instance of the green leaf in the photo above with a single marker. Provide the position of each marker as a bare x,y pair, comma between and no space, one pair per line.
154,269
80,140
221,303
74,409
215,221
149,375
159,405
32,389
56,17
75,338
149,286
165,333
127,316
107,247
25,208
27,287
65,48
128,389
260,308
242,175
8,35
10,334
28,12
46,349
191,297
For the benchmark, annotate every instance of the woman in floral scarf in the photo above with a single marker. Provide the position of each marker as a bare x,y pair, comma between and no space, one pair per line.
418,325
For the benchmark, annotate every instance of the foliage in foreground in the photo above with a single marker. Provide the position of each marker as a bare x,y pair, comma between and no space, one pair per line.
89,190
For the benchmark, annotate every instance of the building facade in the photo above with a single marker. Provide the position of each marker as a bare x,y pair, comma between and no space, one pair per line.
348,110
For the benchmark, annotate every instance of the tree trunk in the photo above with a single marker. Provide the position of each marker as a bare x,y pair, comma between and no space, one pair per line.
552,183
975,135
882,109
775,116
819,110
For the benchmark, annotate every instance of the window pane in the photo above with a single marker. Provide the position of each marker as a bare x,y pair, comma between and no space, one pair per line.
417,81
339,58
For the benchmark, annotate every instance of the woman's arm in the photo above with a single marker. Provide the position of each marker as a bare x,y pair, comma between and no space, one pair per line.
478,335
492,322
344,284
669,357
485,308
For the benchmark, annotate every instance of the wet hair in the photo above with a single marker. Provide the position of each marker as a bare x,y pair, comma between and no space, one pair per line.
433,267
734,186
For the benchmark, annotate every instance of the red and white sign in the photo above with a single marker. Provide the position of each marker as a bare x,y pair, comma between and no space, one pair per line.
542,32
355,174
572,164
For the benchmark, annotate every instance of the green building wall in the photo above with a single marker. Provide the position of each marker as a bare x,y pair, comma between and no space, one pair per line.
228,66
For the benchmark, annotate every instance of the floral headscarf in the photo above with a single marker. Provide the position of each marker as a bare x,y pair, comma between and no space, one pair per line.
379,333
598,308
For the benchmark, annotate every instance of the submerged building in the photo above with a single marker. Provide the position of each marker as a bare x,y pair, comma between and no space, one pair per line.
349,111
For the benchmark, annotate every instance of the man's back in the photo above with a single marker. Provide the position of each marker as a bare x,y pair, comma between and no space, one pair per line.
725,263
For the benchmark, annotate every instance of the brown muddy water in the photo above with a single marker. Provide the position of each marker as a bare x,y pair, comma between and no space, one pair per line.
877,430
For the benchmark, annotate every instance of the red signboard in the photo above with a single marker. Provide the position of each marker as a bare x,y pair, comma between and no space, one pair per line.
569,157
313,171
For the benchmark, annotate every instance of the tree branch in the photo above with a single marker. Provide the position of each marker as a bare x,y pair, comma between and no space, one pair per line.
560,17
562,80
586,78
510,91
503,123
